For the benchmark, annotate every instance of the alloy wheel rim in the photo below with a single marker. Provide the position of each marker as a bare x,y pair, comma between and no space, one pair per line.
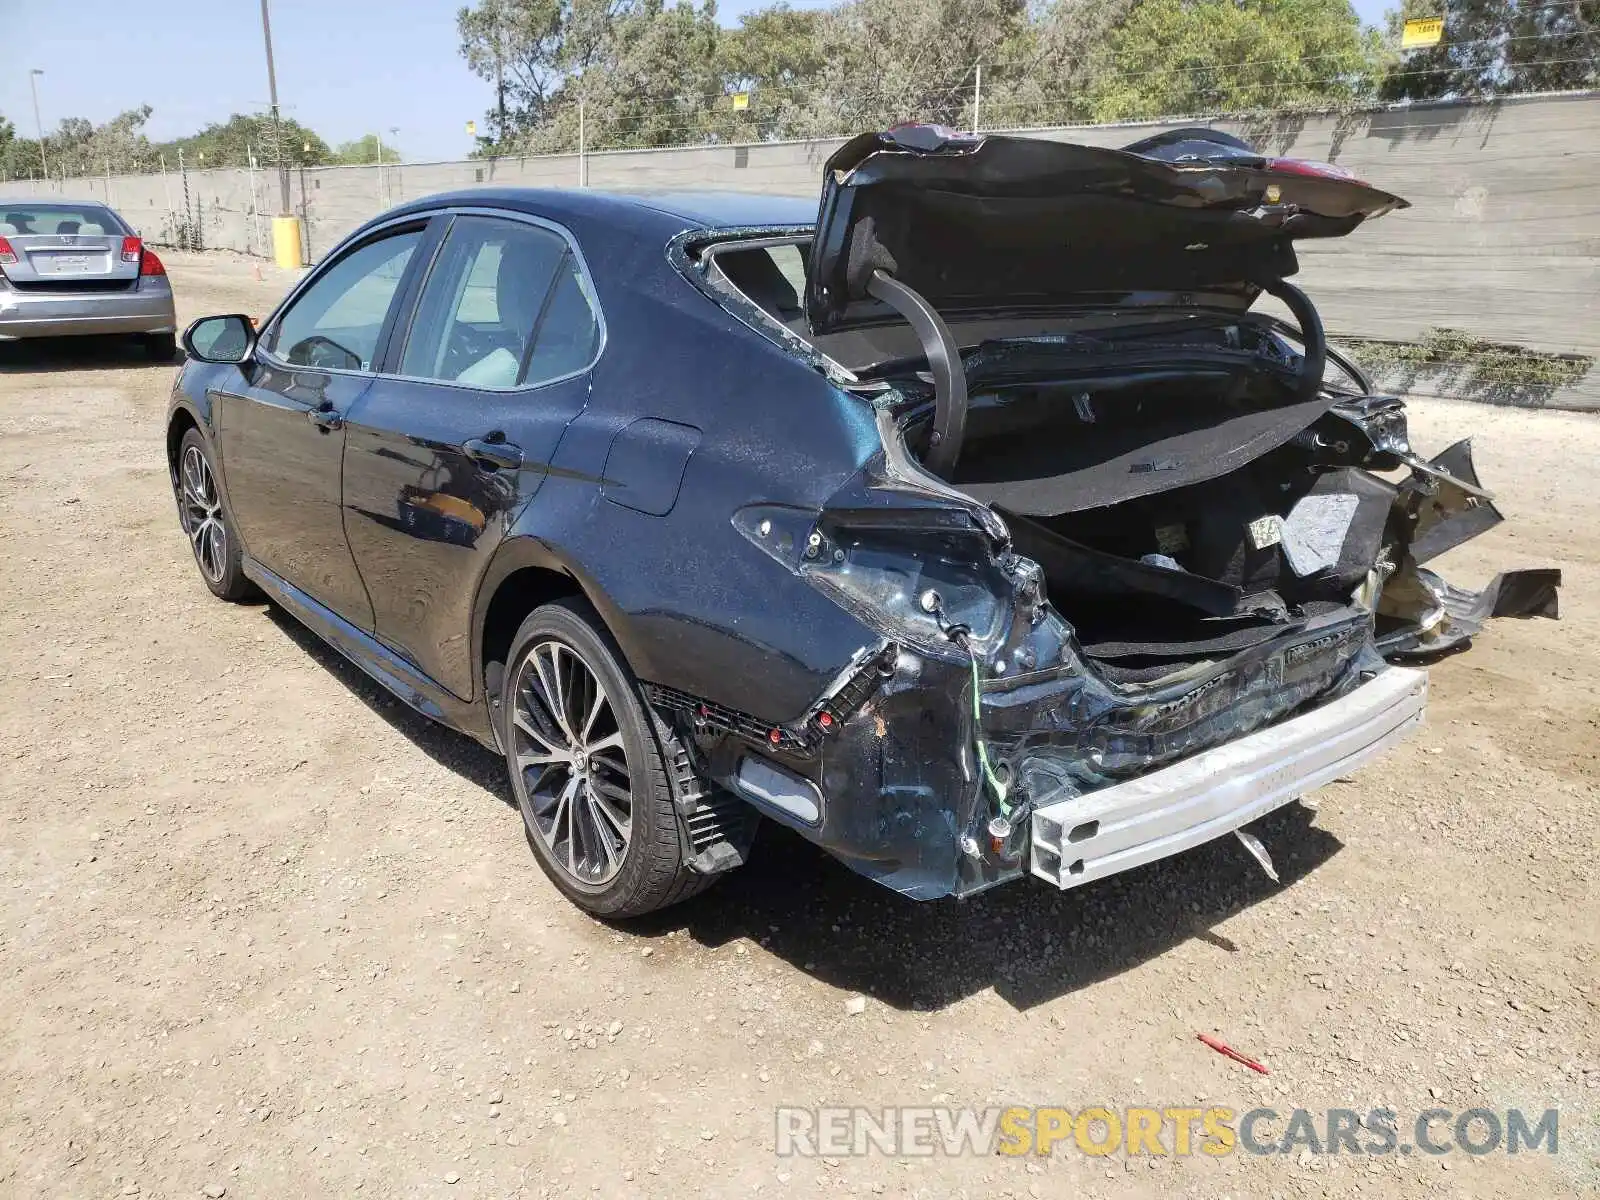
202,514
574,781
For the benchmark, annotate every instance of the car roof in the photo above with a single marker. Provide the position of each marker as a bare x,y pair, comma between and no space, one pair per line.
639,210
52,202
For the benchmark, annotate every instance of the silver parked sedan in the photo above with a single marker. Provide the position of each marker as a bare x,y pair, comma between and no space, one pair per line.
77,268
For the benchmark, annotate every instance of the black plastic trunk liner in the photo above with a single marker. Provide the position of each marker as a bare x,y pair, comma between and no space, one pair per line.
1078,572
1100,465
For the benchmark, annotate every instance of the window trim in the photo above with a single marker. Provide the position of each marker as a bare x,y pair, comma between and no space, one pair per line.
694,254
393,352
422,223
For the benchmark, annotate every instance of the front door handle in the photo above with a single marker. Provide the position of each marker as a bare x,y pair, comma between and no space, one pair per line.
325,418
493,452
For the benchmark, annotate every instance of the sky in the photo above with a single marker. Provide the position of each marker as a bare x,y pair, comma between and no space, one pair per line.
345,67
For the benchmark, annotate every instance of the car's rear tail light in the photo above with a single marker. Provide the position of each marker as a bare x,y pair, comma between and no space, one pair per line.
131,246
1309,167
7,254
151,264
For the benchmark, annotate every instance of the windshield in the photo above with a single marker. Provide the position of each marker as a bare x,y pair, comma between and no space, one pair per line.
20,220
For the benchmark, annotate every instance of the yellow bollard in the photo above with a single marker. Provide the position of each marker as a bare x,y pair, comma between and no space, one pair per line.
286,242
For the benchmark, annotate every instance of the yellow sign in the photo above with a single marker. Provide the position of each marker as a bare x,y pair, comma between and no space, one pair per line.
1422,33
472,129
741,101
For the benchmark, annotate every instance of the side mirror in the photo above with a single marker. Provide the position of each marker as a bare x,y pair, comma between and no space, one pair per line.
229,339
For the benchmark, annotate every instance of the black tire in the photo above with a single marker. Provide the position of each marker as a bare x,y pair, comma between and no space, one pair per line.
160,347
651,874
216,548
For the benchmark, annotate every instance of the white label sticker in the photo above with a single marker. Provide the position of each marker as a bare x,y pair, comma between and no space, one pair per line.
1265,531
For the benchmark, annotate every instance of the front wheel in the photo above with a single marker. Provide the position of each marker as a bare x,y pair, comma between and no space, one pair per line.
205,521
587,769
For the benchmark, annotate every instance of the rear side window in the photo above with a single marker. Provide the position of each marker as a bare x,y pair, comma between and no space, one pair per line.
771,277
569,334
20,220
506,305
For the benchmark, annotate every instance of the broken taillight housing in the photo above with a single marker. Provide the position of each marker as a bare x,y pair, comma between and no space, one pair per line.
887,579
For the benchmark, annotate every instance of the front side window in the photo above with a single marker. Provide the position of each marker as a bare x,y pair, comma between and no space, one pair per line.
336,321
506,305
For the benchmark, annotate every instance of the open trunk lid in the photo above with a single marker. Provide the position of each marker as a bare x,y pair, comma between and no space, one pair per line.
989,225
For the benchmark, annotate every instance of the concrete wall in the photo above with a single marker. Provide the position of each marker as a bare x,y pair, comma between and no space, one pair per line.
1503,238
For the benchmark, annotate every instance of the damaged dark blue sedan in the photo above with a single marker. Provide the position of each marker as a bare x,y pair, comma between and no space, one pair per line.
974,524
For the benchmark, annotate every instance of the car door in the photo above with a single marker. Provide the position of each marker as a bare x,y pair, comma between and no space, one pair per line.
280,418
456,436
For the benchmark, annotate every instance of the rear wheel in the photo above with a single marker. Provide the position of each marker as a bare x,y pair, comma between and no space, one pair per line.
160,347
587,769
205,521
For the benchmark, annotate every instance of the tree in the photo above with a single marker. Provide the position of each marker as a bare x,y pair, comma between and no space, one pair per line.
897,60
1182,57
231,143
365,150
774,59
1491,47
77,147
643,74
515,45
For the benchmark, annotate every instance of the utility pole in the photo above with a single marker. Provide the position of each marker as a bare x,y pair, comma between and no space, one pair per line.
583,167
33,76
499,72
394,147
277,122
977,96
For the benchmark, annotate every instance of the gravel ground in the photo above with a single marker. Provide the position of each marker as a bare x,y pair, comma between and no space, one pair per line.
264,932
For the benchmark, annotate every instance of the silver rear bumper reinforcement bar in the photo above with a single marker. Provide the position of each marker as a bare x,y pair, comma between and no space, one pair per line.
1083,838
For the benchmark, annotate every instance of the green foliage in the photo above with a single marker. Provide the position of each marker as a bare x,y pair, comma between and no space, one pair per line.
1470,364
365,150
231,143
78,147
1204,56
650,75
1492,47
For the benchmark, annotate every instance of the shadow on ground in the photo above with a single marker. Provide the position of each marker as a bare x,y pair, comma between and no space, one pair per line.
44,355
1028,941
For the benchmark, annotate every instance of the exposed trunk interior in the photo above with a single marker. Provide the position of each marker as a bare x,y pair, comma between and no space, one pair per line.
1180,514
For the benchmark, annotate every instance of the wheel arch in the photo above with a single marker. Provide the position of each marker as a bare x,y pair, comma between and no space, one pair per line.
179,422
524,574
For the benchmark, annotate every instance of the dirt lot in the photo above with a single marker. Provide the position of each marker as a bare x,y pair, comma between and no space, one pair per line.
263,930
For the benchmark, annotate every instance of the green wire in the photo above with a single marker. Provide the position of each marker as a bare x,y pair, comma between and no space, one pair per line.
995,784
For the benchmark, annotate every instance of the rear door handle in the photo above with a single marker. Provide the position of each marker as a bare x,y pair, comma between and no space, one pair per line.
325,419
493,453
